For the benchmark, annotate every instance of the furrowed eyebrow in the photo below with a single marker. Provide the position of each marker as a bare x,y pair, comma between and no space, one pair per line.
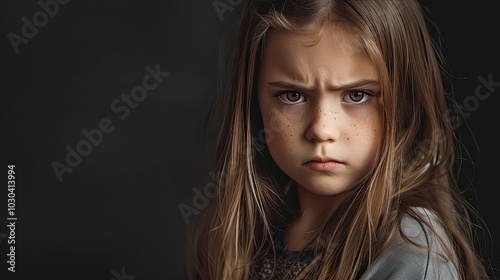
298,87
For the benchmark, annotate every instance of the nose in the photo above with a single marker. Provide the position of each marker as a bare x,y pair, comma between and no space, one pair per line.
323,125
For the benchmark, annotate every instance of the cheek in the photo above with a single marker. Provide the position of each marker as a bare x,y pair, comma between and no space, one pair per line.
273,124
281,134
366,135
375,136
279,120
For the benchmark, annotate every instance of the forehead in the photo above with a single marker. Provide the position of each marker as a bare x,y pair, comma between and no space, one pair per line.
343,34
331,52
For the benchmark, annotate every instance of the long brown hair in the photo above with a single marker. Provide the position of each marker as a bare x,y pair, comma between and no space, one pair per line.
414,164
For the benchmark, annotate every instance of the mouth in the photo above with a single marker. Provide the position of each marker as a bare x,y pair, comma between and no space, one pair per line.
323,164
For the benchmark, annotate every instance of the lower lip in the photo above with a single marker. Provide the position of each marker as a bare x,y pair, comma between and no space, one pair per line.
323,166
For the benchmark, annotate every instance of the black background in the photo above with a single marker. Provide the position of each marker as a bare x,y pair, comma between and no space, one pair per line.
117,212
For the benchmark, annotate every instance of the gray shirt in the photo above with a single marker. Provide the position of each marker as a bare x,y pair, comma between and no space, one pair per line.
400,260
403,260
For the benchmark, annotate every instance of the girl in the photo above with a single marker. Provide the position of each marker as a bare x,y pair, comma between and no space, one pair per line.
335,156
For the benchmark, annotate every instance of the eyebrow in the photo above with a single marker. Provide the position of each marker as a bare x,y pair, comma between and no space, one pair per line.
298,87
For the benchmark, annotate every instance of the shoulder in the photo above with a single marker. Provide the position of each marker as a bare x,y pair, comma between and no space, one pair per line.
422,258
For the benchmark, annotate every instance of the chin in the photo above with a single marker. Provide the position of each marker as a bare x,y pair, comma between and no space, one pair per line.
321,190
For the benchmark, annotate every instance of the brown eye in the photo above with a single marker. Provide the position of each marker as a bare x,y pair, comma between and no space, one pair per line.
356,96
292,97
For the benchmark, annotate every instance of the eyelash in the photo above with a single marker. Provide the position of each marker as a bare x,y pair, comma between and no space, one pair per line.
366,95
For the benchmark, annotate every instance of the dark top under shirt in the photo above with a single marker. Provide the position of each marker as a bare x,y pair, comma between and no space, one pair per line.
287,265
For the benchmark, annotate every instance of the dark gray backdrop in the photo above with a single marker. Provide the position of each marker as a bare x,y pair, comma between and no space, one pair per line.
116,214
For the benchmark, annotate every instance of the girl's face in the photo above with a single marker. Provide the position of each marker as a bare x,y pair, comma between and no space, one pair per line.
321,107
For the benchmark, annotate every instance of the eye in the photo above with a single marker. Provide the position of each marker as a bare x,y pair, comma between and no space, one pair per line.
291,97
356,96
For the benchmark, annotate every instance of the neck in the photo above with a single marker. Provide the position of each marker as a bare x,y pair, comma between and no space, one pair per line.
312,214
315,209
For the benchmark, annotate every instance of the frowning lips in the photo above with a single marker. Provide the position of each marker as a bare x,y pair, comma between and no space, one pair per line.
323,164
